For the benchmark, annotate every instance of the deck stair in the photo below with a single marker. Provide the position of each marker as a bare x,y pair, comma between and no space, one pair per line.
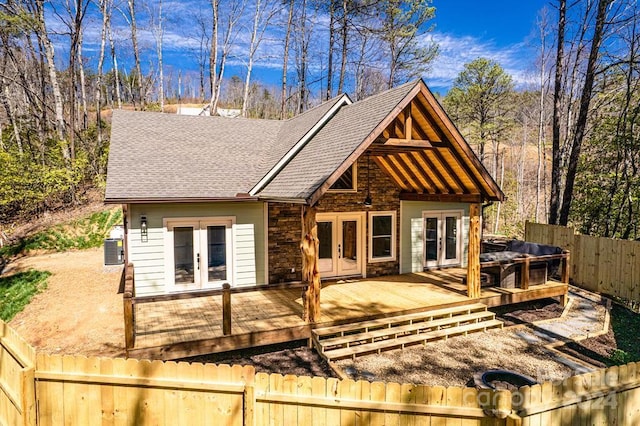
396,332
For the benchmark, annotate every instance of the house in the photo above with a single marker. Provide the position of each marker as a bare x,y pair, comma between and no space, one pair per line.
391,183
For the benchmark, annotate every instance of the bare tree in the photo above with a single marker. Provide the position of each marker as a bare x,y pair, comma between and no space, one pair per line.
585,100
43,38
157,28
136,52
285,61
264,12
234,10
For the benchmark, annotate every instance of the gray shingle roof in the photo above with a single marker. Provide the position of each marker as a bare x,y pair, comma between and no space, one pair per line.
157,156
333,144
164,156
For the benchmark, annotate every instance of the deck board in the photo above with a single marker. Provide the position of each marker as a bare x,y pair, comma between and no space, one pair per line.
173,322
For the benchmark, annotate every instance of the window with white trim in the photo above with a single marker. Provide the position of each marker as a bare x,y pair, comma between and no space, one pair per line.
382,236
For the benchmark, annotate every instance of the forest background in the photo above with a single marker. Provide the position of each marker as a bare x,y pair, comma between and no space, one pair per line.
564,146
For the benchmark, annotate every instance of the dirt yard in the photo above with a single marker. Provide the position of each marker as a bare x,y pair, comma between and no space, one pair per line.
80,312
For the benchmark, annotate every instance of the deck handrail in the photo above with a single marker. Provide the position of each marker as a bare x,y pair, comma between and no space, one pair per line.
217,292
526,259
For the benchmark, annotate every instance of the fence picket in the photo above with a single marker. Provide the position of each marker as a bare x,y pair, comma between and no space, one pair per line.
604,265
319,388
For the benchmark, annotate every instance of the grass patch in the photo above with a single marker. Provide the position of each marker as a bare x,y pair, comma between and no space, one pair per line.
84,233
626,328
16,291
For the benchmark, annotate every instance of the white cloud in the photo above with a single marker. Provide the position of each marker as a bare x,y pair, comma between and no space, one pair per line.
455,51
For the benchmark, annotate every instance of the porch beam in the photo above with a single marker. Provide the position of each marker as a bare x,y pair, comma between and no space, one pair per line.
309,247
409,143
473,262
459,198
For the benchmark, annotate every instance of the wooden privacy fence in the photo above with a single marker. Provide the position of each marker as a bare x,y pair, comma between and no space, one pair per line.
603,265
41,389
17,385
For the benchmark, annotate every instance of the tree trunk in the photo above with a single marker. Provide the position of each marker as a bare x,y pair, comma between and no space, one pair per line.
213,58
98,95
253,45
136,52
309,246
345,45
332,38
53,77
583,114
83,86
285,62
554,202
116,72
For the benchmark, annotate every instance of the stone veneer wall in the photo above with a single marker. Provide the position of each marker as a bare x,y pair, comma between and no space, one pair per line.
285,232
285,223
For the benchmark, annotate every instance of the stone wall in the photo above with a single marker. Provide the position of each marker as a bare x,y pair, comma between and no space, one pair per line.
285,224
285,232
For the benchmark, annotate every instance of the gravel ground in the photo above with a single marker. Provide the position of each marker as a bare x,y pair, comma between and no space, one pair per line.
453,362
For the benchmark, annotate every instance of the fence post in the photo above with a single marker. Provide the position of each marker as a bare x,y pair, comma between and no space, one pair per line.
129,312
29,402
226,309
249,404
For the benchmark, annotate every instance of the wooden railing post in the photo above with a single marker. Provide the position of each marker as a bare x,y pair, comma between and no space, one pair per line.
565,267
309,246
473,262
128,309
524,273
226,309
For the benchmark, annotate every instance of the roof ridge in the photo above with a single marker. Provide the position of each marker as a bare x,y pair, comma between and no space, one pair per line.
321,104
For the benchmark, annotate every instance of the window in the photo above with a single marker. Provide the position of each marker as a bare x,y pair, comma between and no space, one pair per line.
346,182
382,236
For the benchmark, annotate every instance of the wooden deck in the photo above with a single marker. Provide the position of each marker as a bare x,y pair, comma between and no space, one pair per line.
179,328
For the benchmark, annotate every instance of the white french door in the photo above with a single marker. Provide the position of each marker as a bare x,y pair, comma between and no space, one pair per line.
199,254
341,248
442,234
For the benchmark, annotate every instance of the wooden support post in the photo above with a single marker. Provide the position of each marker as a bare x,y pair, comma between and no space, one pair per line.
309,246
128,309
226,309
249,397
565,267
524,273
473,262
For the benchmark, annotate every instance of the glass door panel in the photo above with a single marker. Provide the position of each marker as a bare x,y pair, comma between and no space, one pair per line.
431,239
183,255
348,247
216,253
326,248
451,237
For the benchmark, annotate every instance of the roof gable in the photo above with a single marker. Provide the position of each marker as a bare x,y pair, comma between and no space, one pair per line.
408,135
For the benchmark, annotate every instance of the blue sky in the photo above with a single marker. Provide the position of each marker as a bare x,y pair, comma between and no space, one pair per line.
500,30
464,30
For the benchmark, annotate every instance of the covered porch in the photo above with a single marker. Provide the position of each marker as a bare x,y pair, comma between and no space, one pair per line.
182,325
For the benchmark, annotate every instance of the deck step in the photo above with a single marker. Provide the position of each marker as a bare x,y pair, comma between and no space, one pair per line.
366,337
364,326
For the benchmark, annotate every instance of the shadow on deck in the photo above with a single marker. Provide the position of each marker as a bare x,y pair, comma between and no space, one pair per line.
170,328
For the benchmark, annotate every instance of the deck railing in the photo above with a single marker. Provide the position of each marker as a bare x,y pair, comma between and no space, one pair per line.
526,260
130,300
